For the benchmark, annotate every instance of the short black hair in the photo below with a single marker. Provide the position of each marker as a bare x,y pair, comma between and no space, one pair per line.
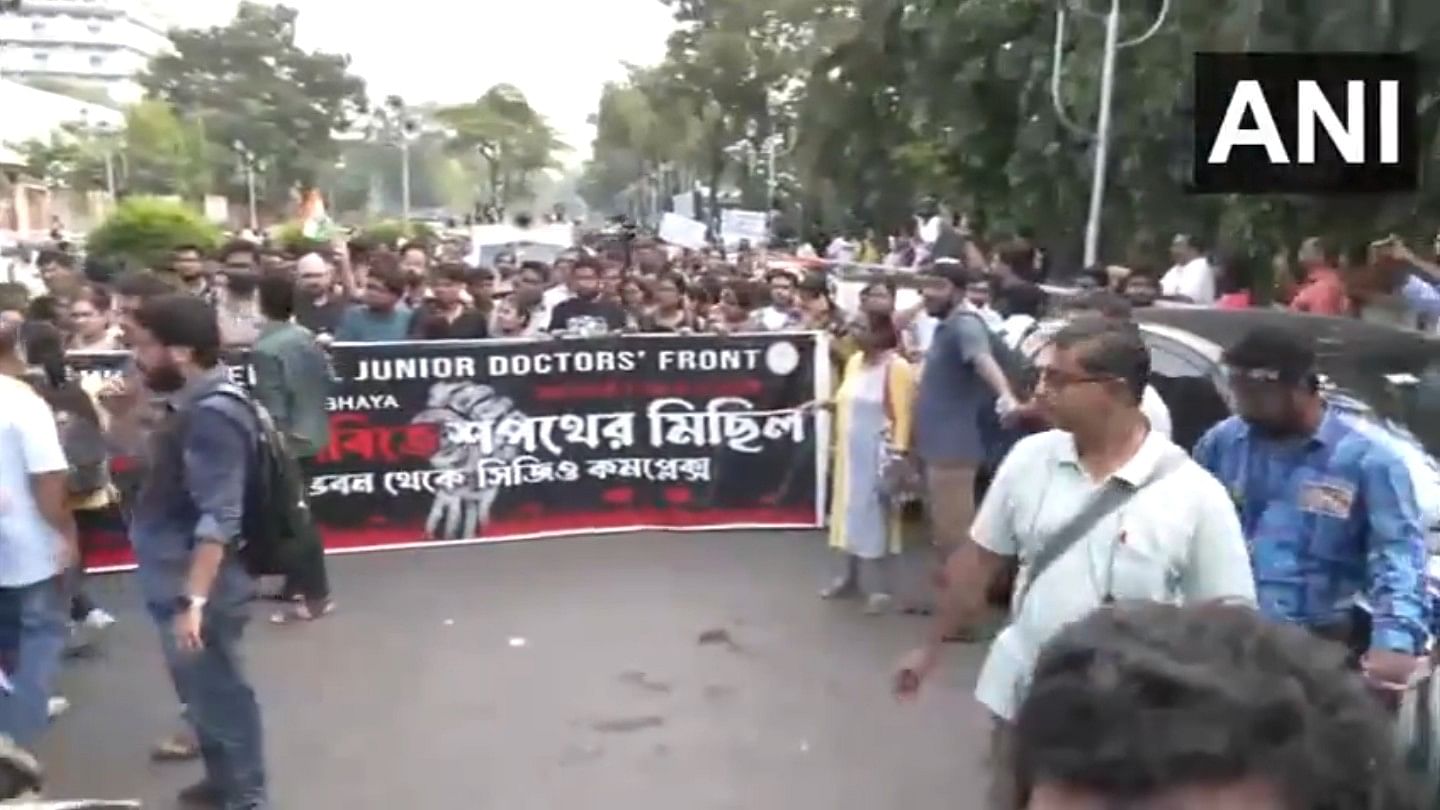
479,274
957,274
43,308
59,257
1110,348
187,247
276,295
1104,303
178,320
1290,354
449,271
141,284
238,246
1142,697
390,276
1023,299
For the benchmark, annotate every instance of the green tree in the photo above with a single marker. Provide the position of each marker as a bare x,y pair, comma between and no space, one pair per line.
248,82
165,154
508,137
142,232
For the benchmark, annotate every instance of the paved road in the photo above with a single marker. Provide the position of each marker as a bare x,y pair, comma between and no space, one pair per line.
420,693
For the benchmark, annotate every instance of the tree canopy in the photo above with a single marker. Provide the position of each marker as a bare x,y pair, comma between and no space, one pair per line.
883,101
509,139
248,82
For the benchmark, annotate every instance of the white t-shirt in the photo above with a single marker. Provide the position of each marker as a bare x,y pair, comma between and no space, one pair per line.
1194,280
29,445
1177,540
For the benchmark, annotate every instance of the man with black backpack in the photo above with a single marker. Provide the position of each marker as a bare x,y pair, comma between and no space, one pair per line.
965,382
189,527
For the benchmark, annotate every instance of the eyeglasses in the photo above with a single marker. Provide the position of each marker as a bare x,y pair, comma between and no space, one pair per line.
1058,379
1254,376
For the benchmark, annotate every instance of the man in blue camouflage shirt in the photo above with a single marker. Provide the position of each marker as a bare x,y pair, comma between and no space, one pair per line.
1327,507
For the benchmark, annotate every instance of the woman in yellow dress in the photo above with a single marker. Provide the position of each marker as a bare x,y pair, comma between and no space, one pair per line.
873,409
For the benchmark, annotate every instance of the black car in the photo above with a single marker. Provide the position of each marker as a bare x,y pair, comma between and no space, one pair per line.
1386,375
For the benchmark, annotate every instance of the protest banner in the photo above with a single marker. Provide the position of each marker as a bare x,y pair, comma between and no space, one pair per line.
447,442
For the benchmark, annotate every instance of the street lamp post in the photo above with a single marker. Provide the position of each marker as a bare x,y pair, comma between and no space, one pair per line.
395,121
1101,135
248,158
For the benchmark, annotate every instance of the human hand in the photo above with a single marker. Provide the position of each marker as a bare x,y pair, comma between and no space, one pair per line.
187,626
914,668
1389,670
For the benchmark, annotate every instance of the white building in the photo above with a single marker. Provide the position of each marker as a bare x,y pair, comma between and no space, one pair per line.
26,203
99,43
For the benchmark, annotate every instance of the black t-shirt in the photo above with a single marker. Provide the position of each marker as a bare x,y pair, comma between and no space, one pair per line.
430,324
584,315
321,320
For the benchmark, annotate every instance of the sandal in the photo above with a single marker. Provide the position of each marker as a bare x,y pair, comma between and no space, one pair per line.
304,610
178,747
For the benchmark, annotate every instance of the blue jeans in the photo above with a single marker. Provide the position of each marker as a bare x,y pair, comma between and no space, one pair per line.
221,705
32,639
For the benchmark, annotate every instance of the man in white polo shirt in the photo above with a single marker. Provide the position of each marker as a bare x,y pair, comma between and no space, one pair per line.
1101,509
37,544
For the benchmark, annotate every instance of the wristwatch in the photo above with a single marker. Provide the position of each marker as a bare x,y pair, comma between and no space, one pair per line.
186,603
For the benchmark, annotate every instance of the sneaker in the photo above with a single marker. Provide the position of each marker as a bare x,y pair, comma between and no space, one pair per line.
98,619
58,705
877,604
839,589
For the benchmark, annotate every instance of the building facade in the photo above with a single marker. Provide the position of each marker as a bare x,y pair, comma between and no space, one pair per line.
105,44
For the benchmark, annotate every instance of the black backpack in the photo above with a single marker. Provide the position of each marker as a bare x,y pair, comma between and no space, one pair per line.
1019,370
277,522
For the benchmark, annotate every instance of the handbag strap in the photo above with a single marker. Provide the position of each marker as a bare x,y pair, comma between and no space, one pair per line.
1112,495
885,396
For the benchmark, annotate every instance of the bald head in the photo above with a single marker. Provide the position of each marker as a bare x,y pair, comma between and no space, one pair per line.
313,277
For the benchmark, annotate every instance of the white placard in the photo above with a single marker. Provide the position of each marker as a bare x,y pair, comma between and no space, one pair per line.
752,226
682,231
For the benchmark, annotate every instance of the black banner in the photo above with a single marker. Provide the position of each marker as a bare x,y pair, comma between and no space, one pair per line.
465,441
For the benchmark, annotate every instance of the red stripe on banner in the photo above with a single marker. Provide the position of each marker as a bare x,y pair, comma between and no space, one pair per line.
378,538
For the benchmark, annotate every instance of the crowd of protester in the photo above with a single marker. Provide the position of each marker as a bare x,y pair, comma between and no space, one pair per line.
1069,469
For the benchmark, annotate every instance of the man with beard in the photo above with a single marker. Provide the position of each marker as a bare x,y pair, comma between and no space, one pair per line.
187,262
587,313
1328,508
317,308
238,311
960,382
415,263
185,526
134,412
783,311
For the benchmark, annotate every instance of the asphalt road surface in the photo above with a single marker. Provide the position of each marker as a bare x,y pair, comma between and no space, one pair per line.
558,673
